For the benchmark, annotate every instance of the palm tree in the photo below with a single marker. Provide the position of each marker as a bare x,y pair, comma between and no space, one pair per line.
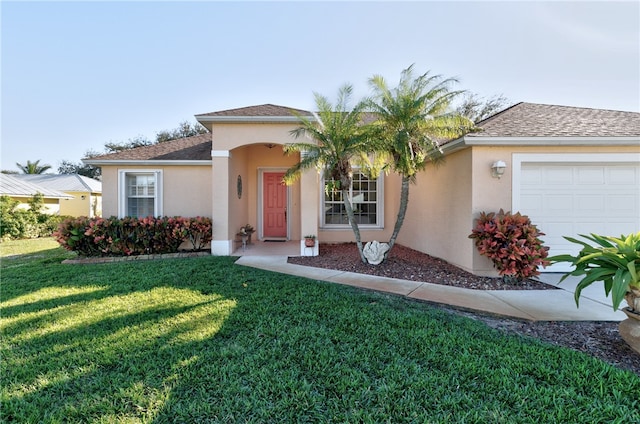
340,142
411,121
33,167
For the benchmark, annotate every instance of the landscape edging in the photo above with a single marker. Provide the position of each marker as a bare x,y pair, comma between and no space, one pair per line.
109,259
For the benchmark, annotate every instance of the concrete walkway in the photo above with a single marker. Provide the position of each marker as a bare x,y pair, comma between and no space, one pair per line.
534,305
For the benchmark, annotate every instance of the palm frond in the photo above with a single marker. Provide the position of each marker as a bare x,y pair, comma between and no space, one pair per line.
414,116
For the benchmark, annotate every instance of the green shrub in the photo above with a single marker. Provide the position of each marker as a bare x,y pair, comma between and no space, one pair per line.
511,242
132,236
18,223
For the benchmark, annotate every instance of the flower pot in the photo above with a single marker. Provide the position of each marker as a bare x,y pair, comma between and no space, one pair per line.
631,313
309,242
630,329
633,299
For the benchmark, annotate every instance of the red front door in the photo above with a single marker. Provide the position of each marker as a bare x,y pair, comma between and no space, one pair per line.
274,205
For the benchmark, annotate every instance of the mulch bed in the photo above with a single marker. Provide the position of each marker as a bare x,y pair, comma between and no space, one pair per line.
409,264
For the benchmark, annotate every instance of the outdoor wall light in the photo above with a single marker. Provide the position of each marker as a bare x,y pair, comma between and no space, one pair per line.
497,169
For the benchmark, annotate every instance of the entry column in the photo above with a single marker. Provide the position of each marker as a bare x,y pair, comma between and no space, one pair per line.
309,186
222,242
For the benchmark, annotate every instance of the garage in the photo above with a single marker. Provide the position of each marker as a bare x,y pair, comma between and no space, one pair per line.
567,195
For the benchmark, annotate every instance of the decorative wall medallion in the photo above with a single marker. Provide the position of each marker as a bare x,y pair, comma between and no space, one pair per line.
239,187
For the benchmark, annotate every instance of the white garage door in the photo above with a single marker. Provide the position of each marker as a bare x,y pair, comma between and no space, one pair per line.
567,199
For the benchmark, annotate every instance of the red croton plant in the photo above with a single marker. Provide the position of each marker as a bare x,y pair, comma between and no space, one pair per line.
132,236
512,243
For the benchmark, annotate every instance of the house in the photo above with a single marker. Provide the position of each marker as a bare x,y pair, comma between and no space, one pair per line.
23,191
572,170
84,194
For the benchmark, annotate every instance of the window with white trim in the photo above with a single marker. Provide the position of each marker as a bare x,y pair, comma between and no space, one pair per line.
366,198
140,193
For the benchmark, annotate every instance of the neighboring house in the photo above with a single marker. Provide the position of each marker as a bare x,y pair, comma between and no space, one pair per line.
23,191
85,194
572,170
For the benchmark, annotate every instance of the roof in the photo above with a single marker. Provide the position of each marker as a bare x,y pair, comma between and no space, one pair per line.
194,148
267,113
63,182
259,110
540,120
522,120
12,185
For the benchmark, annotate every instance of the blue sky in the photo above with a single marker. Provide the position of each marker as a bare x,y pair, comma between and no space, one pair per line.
76,75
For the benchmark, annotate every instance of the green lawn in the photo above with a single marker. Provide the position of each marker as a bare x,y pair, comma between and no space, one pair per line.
204,340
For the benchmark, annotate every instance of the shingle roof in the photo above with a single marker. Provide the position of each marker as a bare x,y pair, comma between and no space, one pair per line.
13,186
63,182
540,120
197,147
259,110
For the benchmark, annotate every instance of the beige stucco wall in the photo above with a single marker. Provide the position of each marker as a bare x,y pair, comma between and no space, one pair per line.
249,155
247,150
439,212
231,136
109,191
491,194
248,162
264,159
447,199
238,208
186,189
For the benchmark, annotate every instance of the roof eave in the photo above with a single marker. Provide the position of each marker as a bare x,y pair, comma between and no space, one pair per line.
141,162
205,119
471,140
454,146
44,196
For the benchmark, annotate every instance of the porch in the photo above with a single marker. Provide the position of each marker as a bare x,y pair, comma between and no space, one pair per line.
270,248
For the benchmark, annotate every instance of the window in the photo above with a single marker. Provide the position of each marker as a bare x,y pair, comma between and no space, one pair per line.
366,198
140,193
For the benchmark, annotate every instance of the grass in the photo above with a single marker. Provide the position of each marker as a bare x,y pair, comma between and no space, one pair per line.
205,340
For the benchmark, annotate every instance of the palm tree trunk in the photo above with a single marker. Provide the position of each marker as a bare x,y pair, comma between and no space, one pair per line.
402,211
354,224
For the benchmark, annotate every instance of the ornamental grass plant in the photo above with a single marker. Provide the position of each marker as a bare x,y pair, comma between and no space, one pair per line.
614,261
205,340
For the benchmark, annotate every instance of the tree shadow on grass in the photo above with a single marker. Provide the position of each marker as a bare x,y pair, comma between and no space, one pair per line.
201,339
55,255
112,355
